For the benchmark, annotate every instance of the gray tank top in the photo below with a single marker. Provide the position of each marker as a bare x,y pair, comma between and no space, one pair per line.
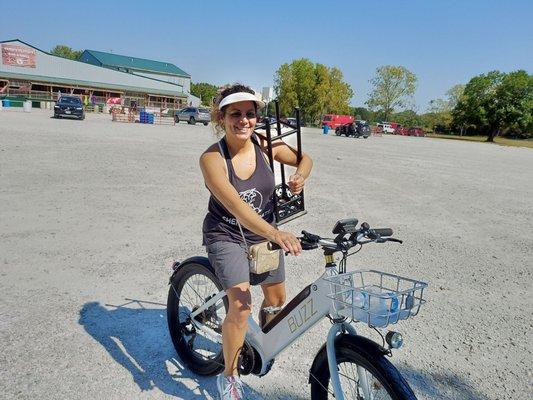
257,191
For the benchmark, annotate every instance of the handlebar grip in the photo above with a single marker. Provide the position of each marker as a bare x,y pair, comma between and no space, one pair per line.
305,246
383,231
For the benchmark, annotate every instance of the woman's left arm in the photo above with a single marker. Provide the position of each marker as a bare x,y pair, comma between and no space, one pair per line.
288,156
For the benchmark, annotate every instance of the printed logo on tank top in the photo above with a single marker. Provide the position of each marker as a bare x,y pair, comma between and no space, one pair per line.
254,199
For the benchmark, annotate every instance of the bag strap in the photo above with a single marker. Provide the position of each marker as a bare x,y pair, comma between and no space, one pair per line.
227,175
244,239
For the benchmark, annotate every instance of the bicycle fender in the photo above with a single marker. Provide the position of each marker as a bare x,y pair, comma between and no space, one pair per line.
196,259
360,342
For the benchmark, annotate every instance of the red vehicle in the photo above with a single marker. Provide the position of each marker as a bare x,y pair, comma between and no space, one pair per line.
415,131
401,130
334,121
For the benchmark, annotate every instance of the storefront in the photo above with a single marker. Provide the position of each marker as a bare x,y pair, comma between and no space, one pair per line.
27,72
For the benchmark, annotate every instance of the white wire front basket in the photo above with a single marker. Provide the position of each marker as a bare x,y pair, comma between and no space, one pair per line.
374,297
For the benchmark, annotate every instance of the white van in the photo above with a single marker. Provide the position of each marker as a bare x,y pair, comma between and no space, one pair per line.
385,128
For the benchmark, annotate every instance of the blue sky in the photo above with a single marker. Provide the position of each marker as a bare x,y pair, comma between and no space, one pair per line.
442,42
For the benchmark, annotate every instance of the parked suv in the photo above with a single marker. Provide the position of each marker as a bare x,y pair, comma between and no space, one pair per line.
192,115
69,106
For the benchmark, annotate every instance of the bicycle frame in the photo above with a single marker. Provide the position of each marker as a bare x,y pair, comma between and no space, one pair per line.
299,315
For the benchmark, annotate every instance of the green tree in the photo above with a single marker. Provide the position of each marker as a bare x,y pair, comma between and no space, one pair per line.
363,113
285,88
513,108
340,92
315,88
496,102
393,86
407,118
295,87
454,94
438,117
322,102
66,52
205,91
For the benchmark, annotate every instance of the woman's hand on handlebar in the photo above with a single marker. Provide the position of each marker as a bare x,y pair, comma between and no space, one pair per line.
287,241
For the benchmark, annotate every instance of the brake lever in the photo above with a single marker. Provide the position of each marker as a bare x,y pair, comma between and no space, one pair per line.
309,237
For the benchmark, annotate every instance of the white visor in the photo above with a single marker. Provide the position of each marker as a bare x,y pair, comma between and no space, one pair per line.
240,96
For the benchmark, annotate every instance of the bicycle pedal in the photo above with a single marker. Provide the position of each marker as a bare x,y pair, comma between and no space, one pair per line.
267,314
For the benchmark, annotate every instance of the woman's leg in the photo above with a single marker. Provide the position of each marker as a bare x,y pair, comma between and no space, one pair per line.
275,296
235,325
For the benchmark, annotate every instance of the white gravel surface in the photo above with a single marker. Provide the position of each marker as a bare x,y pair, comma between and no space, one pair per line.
93,212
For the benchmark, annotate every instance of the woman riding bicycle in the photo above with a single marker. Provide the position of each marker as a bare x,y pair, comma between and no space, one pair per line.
241,183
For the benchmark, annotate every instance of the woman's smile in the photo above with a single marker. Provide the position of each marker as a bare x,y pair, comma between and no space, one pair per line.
240,119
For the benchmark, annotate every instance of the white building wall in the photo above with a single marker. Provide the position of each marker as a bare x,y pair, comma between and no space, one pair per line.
183,81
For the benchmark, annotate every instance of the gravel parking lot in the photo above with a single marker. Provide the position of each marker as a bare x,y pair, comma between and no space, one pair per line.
93,212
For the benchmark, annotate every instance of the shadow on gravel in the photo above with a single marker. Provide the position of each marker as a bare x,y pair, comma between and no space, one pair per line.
440,386
137,338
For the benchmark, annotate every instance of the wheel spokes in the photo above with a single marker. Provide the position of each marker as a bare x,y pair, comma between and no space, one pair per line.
359,384
196,290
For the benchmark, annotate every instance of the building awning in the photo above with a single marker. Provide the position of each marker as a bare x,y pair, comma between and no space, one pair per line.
90,84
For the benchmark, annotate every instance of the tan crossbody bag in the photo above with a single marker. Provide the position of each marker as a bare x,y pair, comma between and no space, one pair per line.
261,256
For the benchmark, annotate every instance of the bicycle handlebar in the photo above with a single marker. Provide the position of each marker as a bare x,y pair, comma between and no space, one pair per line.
363,235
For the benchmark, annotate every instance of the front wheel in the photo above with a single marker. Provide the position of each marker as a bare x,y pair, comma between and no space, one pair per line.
191,286
363,374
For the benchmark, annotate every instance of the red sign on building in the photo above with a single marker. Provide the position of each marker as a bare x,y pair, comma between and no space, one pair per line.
18,56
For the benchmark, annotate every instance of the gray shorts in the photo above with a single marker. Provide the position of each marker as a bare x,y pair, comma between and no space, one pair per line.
231,265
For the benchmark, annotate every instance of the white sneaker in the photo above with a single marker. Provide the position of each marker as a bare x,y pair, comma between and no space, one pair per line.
230,388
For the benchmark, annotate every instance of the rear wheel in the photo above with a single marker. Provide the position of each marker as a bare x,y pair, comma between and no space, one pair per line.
192,121
206,123
363,376
191,286
176,120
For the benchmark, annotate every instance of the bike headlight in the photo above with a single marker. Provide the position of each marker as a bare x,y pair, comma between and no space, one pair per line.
394,339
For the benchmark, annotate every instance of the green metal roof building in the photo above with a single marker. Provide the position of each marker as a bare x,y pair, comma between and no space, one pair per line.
139,66
27,70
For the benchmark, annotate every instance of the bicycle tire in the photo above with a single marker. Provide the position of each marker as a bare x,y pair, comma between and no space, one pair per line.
181,329
382,374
